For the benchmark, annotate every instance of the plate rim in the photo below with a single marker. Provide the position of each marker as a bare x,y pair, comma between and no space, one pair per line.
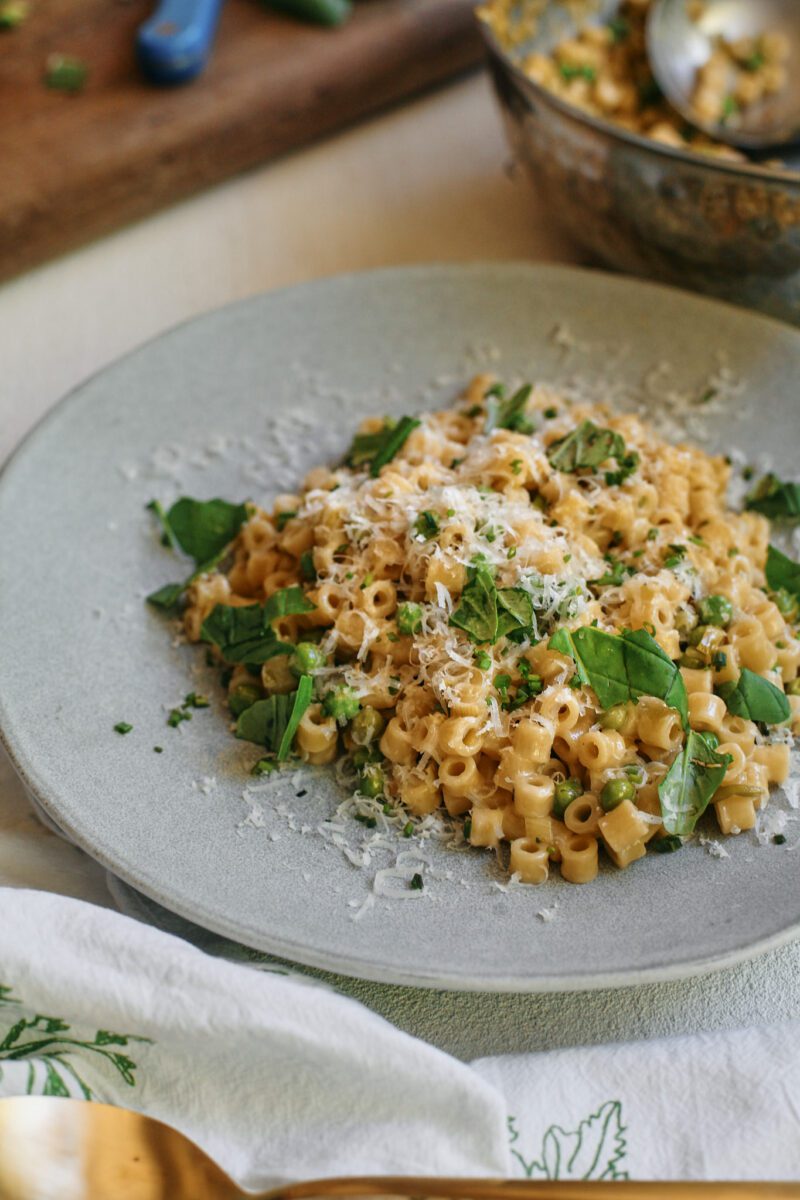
353,965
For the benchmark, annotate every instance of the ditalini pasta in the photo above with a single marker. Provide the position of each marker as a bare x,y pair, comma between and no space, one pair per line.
540,617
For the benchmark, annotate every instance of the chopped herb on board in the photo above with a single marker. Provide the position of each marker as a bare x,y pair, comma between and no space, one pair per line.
65,73
13,13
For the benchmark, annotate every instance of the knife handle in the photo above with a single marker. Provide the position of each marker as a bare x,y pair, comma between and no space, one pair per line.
174,44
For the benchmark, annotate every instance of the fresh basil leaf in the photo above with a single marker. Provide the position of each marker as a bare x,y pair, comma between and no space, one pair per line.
687,788
622,667
514,611
774,498
273,722
245,635
782,572
242,634
755,698
167,597
287,602
377,449
477,610
203,528
589,446
508,414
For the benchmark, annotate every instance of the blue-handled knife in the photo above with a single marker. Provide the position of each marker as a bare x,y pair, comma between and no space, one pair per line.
173,46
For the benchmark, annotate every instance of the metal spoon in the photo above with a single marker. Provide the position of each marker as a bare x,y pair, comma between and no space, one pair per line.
59,1149
678,46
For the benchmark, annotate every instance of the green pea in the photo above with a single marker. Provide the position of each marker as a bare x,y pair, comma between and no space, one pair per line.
787,604
409,618
372,781
614,792
341,703
365,754
715,610
306,658
242,697
367,726
615,717
793,687
565,792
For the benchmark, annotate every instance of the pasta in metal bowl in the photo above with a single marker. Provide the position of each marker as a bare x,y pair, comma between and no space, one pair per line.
539,617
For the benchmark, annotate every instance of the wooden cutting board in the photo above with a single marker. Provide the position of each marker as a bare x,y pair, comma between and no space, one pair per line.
74,167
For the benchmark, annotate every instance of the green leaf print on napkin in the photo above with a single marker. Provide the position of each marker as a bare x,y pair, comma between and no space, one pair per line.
44,1043
594,1150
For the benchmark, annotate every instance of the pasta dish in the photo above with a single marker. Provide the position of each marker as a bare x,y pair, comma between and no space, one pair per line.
604,70
538,616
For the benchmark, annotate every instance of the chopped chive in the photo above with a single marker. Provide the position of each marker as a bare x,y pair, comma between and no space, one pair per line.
264,766
475,411
408,829
549,413
283,519
511,552
779,839
158,749
482,660
416,882
123,727
516,466
307,568
176,716
367,581
195,700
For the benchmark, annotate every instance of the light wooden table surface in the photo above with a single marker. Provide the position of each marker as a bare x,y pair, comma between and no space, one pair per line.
427,181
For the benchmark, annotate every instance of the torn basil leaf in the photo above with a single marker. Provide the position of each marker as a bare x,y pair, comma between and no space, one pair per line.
514,611
508,414
782,572
622,667
688,787
377,449
755,698
588,447
774,498
486,612
477,610
202,528
273,722
245,635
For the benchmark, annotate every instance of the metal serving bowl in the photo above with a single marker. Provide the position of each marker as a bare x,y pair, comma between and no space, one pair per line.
731,230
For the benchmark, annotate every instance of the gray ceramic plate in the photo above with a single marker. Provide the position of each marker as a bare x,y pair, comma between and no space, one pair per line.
237,404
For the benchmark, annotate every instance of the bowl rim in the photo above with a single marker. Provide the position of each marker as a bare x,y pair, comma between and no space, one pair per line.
748,169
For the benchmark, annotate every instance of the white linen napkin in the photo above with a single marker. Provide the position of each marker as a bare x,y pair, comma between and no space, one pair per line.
277,1078
707,1106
